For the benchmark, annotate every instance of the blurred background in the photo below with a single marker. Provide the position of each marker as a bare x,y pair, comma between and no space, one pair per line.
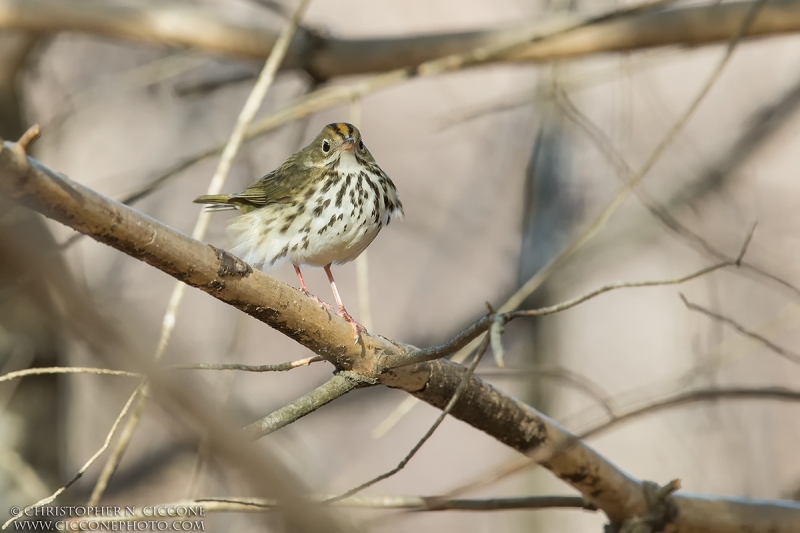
499,168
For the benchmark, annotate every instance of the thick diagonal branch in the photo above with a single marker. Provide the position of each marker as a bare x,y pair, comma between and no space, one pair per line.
482,406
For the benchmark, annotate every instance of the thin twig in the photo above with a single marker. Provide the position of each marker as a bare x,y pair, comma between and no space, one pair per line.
737,346
478,327
339,385
328,97
615,159
28,138
66,370
223,391
530,286
496,330
409,503
86,466
466,336
520,464
281,367
456,395
783,352
386,503
536,281
491,410
563,306
696,396
245,118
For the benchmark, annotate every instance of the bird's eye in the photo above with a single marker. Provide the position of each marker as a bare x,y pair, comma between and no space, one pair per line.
360,145
326,146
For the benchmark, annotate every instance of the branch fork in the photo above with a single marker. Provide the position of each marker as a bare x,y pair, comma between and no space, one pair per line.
422,373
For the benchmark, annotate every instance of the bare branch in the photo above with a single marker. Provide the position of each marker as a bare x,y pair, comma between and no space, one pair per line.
281,367
446,411
783,352
661,213
326,57
339,385
532,284
680,399
582,238
282,307
465,337
86,466
696,396
433,61
66,370
447,61
408,503
248,112
28,138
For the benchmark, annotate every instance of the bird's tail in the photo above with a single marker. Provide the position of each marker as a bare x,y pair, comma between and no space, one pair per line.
215,202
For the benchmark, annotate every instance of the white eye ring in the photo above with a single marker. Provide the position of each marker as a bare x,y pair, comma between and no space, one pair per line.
326,146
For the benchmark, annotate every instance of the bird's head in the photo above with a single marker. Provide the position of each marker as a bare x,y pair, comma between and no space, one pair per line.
338,141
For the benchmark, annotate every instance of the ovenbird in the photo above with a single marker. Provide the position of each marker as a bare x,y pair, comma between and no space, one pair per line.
325,204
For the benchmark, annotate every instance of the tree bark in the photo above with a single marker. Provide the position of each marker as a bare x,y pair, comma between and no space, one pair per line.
280,306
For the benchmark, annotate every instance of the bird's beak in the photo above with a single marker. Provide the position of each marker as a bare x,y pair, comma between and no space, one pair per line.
348,144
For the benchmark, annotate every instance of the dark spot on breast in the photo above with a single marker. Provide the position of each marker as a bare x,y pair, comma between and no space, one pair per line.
376,208
372,186
340,196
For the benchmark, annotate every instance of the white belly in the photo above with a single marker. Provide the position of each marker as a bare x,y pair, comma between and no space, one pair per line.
333,226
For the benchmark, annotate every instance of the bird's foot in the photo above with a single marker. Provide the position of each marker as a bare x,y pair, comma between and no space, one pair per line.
325,306
358,329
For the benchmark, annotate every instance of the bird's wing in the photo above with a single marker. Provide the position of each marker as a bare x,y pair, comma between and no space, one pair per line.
279,186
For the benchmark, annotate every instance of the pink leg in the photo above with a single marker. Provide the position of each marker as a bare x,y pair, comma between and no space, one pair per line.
357,328
305,290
